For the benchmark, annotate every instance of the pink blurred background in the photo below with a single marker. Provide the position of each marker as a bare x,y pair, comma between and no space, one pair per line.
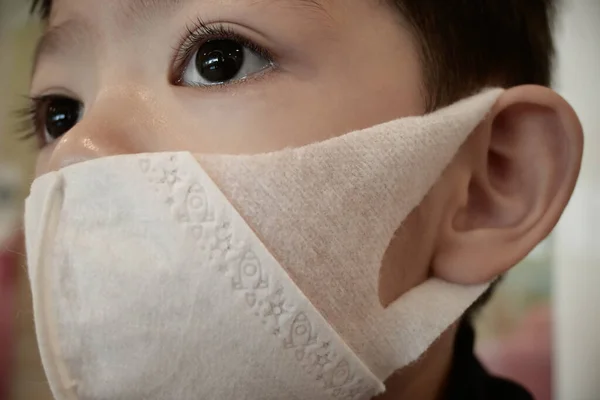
8,272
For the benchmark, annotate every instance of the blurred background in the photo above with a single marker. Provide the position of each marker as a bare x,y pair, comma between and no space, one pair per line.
542,328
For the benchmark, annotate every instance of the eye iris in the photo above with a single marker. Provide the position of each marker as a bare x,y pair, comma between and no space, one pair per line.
220,60
62,115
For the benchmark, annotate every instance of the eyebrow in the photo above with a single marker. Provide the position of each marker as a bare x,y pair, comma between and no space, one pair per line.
61,38
146,8
75,33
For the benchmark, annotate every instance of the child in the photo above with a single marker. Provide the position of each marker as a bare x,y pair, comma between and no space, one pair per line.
281,82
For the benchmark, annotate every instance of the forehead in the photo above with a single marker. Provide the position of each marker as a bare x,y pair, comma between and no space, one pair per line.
136,8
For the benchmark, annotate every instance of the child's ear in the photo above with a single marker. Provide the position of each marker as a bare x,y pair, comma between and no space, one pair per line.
515,176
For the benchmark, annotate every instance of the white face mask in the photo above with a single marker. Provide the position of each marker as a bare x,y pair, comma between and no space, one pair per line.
180,276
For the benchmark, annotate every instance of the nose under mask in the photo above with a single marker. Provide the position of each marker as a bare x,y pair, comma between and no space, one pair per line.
186,276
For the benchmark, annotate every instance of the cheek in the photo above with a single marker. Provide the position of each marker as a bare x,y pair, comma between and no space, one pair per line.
287,112
42,164
408,260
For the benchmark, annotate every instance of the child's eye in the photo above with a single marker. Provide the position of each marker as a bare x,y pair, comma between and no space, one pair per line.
53,116
222,61
61,115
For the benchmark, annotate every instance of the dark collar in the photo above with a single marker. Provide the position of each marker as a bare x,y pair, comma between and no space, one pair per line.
470,381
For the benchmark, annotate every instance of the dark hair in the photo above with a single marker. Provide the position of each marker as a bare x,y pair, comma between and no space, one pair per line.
42,7
467,45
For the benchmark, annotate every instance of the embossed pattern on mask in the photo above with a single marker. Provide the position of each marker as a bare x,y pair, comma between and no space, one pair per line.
265,298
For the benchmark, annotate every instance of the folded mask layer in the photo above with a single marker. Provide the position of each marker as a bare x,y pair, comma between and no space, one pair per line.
328,212
160,290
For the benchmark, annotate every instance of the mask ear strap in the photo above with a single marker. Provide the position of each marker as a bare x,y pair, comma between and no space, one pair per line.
41,247
430,309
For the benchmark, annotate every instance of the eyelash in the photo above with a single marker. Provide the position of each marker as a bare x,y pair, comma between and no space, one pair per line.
30,117
201,33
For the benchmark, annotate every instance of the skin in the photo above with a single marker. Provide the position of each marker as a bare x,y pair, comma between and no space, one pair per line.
340,66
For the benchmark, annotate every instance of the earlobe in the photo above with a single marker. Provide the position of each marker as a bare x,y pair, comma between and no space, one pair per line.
518,172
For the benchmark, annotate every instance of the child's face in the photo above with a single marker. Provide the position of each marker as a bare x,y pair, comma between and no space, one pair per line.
336,66
251,76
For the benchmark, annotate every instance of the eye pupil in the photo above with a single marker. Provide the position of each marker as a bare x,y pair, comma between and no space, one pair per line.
61,115
220,60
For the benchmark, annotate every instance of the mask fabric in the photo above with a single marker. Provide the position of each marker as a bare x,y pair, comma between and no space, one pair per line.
188,276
